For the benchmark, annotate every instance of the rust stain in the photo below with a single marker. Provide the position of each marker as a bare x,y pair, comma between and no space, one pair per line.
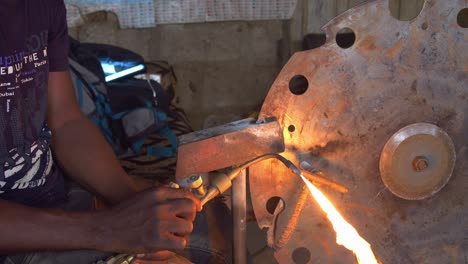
364,208
396,49
368,43
330,147
414,85
453,251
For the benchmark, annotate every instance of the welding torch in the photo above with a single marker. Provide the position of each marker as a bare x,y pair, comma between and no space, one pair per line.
223,182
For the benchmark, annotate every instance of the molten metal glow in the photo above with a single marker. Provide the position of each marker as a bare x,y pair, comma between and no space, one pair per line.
346,234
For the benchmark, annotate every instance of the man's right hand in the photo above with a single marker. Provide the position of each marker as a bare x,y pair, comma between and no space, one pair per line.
151,221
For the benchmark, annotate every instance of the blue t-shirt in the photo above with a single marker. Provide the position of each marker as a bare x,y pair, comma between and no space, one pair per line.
33,42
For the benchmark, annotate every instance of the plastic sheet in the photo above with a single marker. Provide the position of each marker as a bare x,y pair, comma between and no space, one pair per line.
131,13
148,13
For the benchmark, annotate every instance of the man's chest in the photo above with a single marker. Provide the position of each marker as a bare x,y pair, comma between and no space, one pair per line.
23,54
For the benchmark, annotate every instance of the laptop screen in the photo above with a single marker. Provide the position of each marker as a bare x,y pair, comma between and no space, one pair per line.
114,70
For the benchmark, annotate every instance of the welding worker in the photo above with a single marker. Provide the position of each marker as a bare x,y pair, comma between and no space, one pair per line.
43,136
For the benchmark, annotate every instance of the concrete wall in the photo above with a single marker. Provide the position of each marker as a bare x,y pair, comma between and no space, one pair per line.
225,69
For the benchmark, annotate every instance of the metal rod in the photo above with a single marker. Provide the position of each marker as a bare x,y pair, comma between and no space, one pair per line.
239,218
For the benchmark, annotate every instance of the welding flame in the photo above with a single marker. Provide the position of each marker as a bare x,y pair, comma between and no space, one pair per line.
346,234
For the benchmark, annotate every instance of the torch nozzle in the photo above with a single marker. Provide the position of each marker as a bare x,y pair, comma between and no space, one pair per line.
292,167
222,182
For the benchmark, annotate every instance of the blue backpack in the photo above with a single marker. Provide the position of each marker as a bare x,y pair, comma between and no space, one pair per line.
126,114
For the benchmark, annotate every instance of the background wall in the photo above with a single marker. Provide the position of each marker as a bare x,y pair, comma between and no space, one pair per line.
225,69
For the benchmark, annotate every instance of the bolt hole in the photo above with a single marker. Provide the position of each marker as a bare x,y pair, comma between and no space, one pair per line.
291,128
298,85
301,255
345,38
424,26
462,18
272,203
405,10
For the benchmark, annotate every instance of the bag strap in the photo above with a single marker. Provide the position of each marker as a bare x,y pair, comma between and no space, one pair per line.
165,151
165,132
100,101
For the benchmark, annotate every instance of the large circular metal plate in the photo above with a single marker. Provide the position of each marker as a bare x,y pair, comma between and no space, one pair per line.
417,161
339,106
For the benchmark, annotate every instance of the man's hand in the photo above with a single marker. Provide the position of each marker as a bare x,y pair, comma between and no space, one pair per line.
150,223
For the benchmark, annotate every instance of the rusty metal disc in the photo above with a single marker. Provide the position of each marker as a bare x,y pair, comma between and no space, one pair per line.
337,108
417,161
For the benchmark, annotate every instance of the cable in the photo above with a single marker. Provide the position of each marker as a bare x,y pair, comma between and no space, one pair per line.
285,161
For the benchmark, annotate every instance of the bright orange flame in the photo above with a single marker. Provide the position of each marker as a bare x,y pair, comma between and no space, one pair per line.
346,234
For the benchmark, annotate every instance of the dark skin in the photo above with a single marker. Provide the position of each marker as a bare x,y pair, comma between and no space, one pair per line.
151,222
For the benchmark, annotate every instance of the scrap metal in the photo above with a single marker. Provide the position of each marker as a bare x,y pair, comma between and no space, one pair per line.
338,107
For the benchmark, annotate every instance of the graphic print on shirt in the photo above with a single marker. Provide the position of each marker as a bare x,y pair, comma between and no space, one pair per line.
26,159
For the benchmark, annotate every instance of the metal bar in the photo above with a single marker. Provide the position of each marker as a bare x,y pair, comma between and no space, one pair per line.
227,145
239,218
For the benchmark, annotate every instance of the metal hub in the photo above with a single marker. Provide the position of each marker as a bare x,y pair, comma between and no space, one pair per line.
417,161
338,107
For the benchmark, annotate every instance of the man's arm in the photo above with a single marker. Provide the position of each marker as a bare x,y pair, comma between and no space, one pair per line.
147,222
80,148
26,229
151,221
30,229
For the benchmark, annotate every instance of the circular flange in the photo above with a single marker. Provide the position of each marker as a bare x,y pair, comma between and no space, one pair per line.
417,161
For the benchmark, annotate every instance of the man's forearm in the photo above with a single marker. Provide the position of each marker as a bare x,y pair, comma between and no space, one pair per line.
30,229
85,156
153,220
